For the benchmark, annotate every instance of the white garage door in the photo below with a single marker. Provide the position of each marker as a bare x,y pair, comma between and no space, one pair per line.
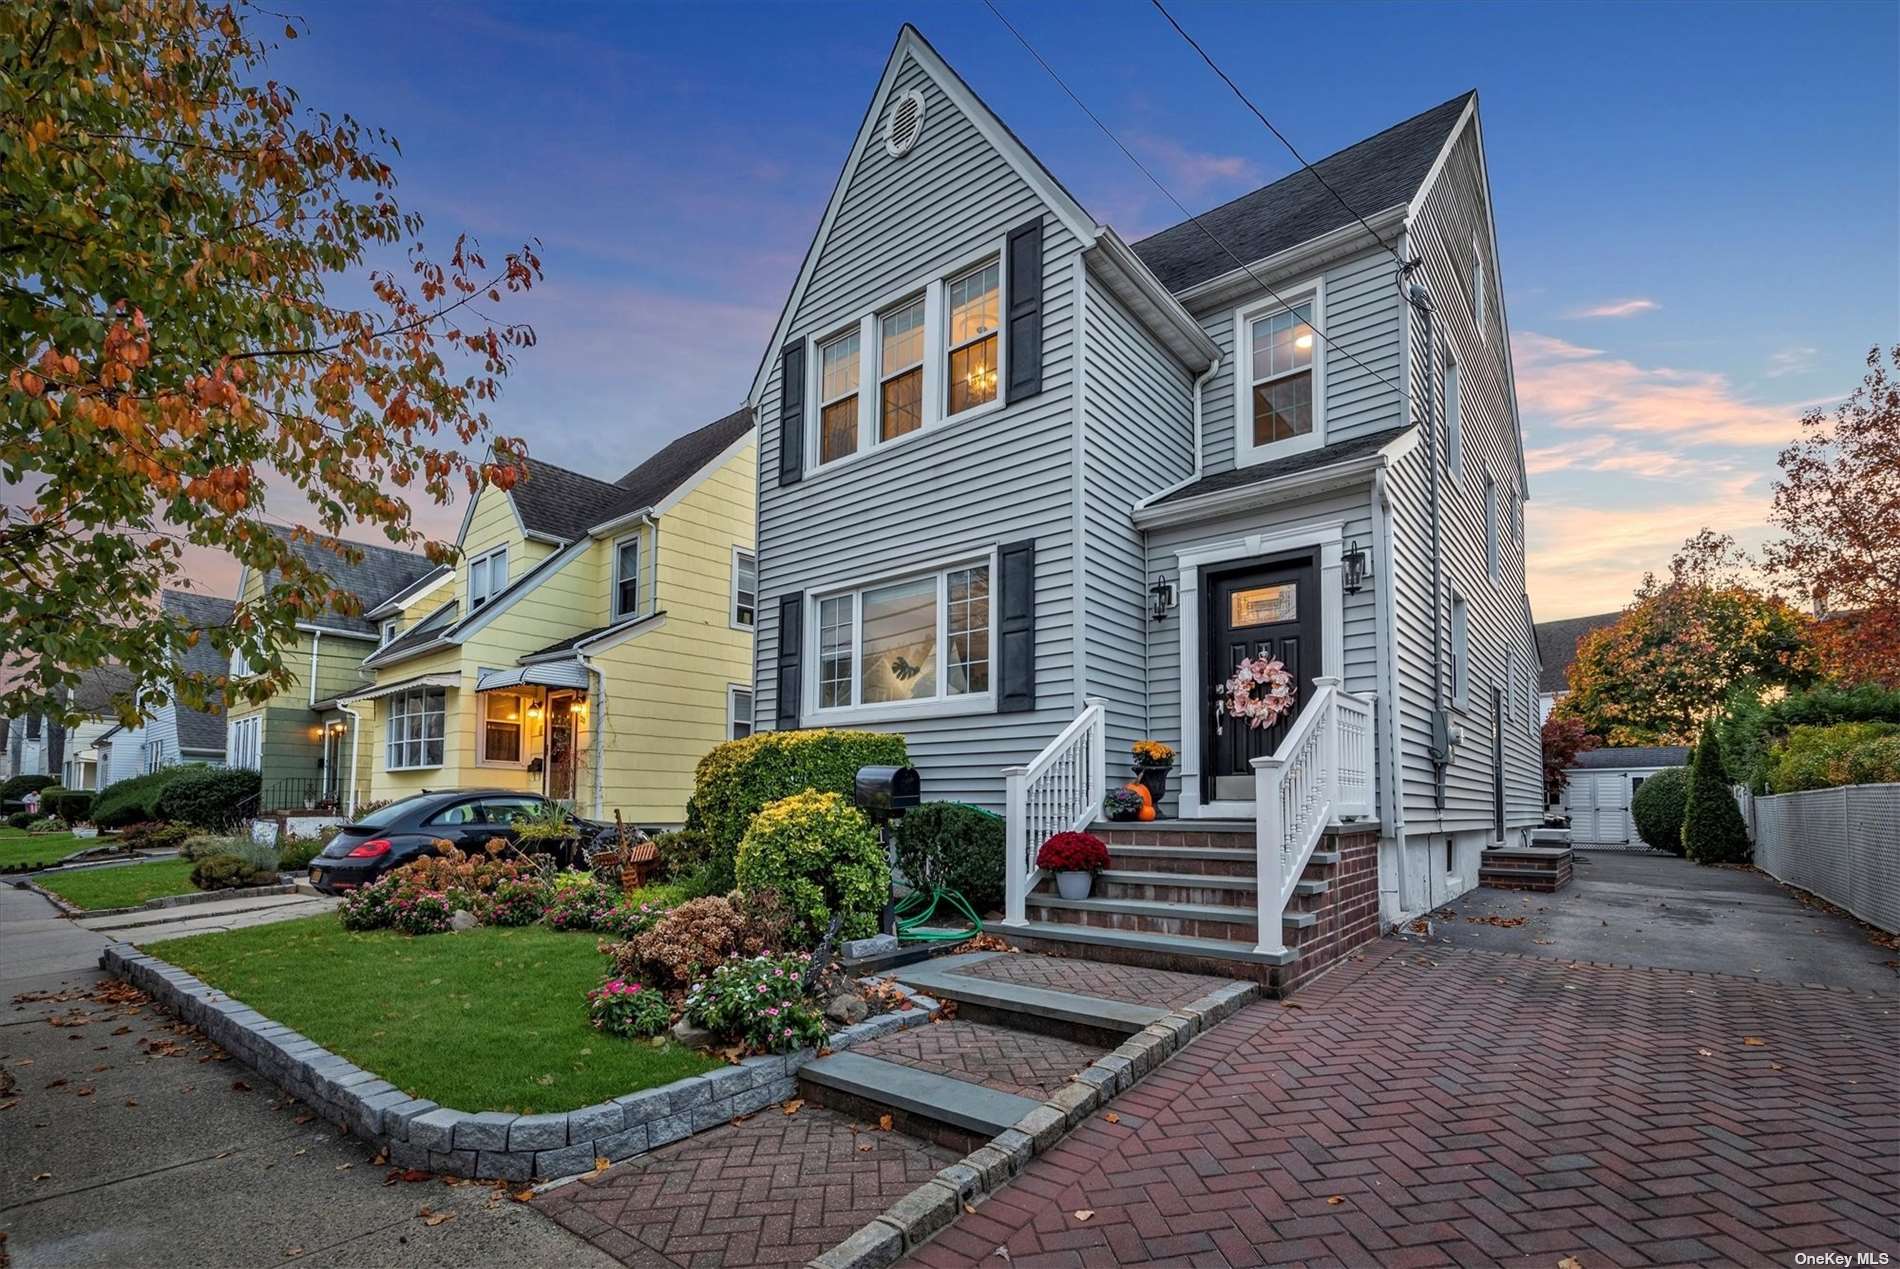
1600,810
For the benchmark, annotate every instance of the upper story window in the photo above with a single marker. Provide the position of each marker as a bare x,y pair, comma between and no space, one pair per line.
1454,419
901,371
838,397
1491,551
1476,285
905,644
487,577
974,307
32,726
390,629
745,588
626,577
1278,404
1460,649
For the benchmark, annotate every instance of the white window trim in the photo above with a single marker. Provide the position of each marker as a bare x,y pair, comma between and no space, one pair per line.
244,749
482,566
882,374
732,599
481,730
941,706
1246,453
391,628
732,709
614,579
388,713
1454,414
1460,650
936,360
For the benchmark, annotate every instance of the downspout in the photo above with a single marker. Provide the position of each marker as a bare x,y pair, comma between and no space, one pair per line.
1441,721
1388,611
1200,452
356,741
316,642
597,713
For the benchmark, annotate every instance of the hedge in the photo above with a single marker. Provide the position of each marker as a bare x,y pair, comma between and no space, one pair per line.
740,777
822,856
135,800
1658,806
208,797
71,805
1712,828
1749,730
954,846
1824,757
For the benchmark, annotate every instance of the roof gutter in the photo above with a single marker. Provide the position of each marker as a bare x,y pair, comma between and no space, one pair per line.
1125,271
643,516
1200,450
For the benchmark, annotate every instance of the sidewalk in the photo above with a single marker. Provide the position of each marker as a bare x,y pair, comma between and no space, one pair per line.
131,1142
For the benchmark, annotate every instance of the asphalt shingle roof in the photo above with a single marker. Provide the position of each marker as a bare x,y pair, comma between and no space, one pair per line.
1557,647
1380,172
1310,460
98,686
566,504
200,730
1634,756
422,632
381,572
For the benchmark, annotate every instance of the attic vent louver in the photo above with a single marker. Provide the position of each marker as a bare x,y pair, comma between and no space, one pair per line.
904,124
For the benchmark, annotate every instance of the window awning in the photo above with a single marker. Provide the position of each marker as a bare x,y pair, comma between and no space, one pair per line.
390,689
551,674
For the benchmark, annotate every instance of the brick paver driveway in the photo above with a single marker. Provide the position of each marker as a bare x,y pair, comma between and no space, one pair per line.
1428,1106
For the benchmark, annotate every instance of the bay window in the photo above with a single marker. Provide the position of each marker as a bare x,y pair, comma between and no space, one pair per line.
904,643
1279,377
415,728
973,302
838,397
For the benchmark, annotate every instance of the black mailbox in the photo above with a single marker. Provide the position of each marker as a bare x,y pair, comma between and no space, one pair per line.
883,791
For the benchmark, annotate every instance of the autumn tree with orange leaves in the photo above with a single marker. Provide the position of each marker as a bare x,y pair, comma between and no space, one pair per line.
1838,506
172,227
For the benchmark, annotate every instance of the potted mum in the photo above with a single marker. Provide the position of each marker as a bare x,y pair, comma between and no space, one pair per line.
1153,761
1074,858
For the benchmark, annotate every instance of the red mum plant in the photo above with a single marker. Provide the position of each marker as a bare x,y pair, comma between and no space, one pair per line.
1073,852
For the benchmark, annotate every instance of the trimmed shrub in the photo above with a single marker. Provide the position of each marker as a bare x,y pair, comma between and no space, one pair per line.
1657,809
1819,757
208,797
1749,729
17,787
740,777
230,872
20,819
71,805
823,857
368,907
1712,828
133,800
153,835
1875,761
954,846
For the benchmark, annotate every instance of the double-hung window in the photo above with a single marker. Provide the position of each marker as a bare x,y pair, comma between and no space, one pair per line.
738,713
901,371
487,577
745,588
503,723
626,577
1278,388
974,303
415,728
1491,548
245,747
838,397
906,643
1454,419
390,629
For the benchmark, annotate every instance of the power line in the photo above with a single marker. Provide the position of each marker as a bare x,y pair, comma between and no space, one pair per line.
1247,102
1169,195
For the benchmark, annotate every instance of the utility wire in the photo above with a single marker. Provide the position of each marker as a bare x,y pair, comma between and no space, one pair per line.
1169,195
1247,102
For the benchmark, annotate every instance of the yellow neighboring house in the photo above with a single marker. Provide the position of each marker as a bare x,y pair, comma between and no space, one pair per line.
594,642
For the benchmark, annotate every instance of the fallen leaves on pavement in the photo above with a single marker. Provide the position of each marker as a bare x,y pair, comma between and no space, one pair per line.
1084,1213
432,1219
795,1105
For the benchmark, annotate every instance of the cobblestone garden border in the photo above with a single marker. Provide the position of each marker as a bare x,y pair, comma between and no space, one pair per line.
487,1145
917,1217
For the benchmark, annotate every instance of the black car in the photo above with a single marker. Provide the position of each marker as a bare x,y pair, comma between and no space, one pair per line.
403,831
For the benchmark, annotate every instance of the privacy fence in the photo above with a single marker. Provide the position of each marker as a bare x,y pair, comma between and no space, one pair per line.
1841,844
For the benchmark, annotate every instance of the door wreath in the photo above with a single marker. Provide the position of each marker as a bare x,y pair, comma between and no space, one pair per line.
1261,691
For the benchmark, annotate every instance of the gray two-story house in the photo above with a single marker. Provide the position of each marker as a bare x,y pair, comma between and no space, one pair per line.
1029,492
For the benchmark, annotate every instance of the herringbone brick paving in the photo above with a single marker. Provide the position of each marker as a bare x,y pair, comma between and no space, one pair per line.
1164,989
1451,1107
775,1189
1020,1062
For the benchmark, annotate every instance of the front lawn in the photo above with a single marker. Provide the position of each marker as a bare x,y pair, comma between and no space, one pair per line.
121,885
489,1019
20,849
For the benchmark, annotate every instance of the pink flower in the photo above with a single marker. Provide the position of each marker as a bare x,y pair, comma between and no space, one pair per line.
788,1033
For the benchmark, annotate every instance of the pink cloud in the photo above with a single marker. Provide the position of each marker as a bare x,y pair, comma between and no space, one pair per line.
1191,174
1617,308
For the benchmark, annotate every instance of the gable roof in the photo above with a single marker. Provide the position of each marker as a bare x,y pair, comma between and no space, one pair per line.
200,730
97,687
1557,646
558,503
1384,170
381,572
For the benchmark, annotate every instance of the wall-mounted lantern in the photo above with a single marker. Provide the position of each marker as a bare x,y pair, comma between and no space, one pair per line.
1357,562
1162,597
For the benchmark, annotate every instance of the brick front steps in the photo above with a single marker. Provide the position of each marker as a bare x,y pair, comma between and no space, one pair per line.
1544,869
1181,895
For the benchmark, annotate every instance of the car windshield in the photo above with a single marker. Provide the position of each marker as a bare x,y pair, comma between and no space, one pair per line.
386,815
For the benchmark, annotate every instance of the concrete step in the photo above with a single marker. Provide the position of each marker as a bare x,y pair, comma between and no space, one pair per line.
1027,1008
191,911
914,1093
1164,946
188,921
1181,888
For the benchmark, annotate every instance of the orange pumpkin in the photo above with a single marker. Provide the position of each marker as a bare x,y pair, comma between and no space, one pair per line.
1140,790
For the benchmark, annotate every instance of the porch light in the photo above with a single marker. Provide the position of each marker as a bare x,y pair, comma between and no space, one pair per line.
578,711
1356,561
1162,596
534,709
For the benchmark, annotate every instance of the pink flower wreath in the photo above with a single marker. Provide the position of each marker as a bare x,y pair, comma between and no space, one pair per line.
1261,691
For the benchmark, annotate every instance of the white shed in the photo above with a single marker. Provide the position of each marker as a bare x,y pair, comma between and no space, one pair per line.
1602,782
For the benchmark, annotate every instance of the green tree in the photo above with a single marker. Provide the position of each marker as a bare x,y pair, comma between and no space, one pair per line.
172,226
1682,647
1712,828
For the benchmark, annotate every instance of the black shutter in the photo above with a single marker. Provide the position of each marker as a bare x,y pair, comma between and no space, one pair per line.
791,643
791,414
1025,311
1016,633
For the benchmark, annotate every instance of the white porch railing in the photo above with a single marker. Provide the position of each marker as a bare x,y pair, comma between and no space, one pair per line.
1060,791
1321,773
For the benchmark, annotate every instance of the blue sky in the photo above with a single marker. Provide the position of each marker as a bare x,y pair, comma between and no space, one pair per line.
1698,204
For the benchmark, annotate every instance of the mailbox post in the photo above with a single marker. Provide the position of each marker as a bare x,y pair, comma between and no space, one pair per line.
884,794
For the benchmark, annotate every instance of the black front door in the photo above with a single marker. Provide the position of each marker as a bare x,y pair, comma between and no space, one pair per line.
1263,610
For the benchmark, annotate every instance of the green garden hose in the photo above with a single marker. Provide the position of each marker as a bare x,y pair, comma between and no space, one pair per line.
912,927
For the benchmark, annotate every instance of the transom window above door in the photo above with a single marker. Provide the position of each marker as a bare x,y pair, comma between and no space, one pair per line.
1278,377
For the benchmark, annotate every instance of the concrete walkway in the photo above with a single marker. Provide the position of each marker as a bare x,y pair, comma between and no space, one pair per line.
130,1141
152,925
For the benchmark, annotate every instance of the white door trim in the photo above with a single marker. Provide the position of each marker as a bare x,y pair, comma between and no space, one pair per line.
1327,535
